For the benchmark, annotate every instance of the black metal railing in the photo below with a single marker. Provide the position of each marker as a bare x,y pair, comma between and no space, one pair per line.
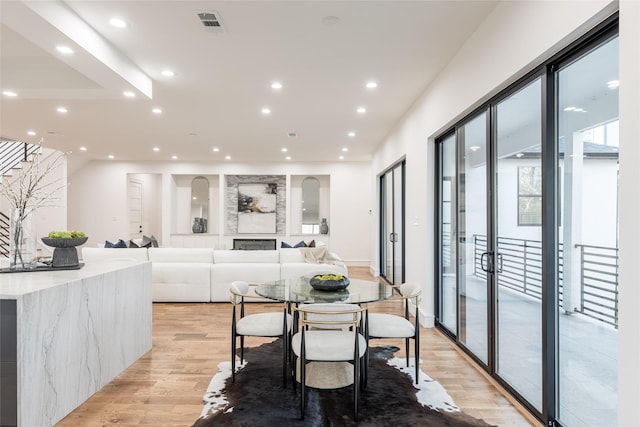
13,153
519,264
4,235
599,283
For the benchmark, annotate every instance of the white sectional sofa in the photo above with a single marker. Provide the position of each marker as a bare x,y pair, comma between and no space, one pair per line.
205,275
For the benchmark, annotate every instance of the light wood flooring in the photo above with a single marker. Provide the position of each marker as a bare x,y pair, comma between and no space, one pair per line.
165,386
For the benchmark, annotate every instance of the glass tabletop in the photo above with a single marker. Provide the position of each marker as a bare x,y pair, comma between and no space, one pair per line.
298,290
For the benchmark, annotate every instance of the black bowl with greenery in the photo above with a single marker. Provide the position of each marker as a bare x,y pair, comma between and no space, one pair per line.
329,282
65,242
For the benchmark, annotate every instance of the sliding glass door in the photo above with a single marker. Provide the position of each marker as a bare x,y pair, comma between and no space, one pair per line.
518,239
448,234
392,224
472,226
588,231
527,234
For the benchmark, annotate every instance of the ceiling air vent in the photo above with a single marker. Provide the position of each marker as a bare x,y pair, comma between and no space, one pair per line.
211,21
292,134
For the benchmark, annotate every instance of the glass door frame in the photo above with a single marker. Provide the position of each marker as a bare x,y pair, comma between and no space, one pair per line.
550,203
384,220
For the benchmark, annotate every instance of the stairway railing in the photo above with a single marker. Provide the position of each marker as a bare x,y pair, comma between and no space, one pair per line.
12,154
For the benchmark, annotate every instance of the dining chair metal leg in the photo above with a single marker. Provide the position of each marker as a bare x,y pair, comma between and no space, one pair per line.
233,352
241,348
417,351
303,380
406,349
285,348
356,387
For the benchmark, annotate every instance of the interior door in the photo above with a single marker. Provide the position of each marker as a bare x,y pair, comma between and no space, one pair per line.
134,206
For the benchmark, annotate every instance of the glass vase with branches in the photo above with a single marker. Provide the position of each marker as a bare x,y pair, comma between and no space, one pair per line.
31,188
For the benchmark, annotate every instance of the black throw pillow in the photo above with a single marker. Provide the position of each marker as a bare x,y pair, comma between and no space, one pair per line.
285,245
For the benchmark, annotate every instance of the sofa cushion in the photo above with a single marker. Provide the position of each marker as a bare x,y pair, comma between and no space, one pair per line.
291,255
223,274
181,282
229,256
178,255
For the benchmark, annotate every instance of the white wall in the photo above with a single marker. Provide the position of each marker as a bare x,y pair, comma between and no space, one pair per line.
629,317
97,199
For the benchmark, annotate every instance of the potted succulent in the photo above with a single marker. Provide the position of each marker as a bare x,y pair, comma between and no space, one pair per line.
65,242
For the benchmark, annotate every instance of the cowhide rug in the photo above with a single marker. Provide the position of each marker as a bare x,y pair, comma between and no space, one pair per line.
257,397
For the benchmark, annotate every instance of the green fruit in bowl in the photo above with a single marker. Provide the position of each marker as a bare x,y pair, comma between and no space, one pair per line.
72,234
329,277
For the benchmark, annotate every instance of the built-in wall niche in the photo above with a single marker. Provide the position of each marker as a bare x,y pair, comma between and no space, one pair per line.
310,197
200,204
185,209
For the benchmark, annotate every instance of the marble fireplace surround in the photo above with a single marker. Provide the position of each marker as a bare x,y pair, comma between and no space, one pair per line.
75,331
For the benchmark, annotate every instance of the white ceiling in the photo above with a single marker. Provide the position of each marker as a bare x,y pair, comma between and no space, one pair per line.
323,52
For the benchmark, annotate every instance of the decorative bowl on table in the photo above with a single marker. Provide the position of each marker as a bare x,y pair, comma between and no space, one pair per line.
65,253
328,282
69,242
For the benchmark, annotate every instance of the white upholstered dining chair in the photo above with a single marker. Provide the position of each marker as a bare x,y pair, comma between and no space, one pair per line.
383,325
329,332
268,324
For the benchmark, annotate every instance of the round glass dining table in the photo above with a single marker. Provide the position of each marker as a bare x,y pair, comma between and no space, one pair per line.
298,290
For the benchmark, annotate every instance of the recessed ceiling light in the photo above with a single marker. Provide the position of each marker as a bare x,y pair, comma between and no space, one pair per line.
613,84
174,157
345,149
371,85
266,111
194,198
129,94
83,148
288,157
168,73
118,23
156,149
341,157
9,93
216,149
65,50
111,156
31,133
284,150
227,157
62,110
157,111
569,108
276,85
351,134
519,155
361,110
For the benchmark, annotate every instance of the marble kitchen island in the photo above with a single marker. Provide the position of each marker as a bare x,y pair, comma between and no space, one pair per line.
66,334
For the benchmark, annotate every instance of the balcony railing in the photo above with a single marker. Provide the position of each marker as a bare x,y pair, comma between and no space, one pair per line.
519,262
599,283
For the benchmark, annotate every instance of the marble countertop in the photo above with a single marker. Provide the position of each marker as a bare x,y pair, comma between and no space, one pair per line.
14,285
